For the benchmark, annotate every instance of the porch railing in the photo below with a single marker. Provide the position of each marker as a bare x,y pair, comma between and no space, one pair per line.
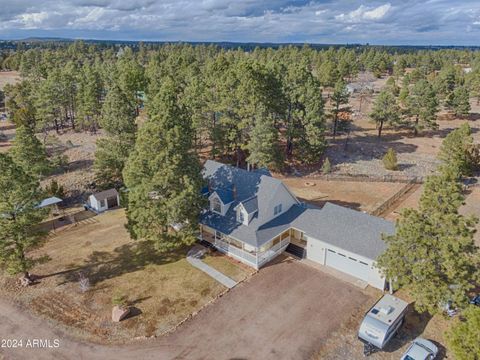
251,258
269,254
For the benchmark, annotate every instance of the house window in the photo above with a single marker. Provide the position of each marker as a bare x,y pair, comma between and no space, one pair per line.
240,216
277,209
216,205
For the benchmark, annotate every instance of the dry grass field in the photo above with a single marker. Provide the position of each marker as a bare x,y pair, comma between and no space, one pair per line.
8,77
163,288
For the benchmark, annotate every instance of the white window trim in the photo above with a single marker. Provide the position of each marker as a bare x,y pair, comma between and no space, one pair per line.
212,207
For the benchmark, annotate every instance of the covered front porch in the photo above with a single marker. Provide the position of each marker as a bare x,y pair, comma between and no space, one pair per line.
248,254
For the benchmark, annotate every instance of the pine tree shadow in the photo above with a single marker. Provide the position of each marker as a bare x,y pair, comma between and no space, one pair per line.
128,258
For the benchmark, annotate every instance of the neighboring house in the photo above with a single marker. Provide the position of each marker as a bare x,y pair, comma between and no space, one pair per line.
104,200
254,217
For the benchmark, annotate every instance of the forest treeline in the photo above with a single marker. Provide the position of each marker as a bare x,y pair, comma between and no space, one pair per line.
262,107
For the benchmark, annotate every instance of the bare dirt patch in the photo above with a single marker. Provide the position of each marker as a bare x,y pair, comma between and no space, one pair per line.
162,287
360,151
8,77
364,196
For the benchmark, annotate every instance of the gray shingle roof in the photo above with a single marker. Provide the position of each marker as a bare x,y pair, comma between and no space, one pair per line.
250,205
105,194
348,229
342,227
226,195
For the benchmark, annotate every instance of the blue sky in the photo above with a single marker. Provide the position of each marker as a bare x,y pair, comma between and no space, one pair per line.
432,22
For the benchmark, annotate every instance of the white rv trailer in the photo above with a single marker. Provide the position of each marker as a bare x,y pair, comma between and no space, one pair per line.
382,321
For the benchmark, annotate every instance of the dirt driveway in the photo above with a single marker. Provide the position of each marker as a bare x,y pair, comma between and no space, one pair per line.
286,311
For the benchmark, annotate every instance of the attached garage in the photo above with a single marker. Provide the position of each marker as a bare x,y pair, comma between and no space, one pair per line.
347,264
346,240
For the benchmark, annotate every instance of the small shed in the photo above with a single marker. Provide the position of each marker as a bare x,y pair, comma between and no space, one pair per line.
104,200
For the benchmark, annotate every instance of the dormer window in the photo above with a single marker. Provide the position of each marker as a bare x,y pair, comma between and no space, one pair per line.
240,217
216,205
277,209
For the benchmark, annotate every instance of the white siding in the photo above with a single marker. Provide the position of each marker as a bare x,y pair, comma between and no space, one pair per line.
281,196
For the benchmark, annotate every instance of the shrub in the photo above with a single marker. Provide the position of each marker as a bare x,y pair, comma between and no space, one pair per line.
390,160
326,167
119,300
60,162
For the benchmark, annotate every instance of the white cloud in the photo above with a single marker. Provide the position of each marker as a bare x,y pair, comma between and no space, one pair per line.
364,13
321,21
377,13
32,20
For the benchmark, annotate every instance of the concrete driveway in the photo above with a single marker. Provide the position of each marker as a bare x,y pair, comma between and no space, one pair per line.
286,311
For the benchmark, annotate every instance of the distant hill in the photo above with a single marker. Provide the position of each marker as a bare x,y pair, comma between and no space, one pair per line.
248,46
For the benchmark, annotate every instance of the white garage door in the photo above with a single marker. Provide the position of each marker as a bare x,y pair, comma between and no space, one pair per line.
349,265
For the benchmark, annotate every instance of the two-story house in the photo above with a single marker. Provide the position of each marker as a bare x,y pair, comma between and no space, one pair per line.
254,217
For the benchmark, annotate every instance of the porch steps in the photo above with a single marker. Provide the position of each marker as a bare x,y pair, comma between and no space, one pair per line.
296,250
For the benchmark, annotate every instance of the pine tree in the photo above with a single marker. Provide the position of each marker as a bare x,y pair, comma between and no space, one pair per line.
340,97
118,114
163,175
89,98
455,151
463,338
432,252
422,105
385,110
118,120
28,152
312,141
461,101
263,146
18,216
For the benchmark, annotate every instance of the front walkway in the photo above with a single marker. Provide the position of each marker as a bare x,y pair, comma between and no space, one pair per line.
194,257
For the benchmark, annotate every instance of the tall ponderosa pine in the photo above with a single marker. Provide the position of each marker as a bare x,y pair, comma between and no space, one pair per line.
118,120
163,174
340,97
422,105
29,153
385,110
19,216
433,252
263,145
89,98
461,101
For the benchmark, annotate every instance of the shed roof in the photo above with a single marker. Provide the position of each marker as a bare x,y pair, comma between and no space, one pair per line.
105,194
49,201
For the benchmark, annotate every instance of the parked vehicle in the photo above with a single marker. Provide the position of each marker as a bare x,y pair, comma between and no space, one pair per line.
475,300
420,349
382,322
